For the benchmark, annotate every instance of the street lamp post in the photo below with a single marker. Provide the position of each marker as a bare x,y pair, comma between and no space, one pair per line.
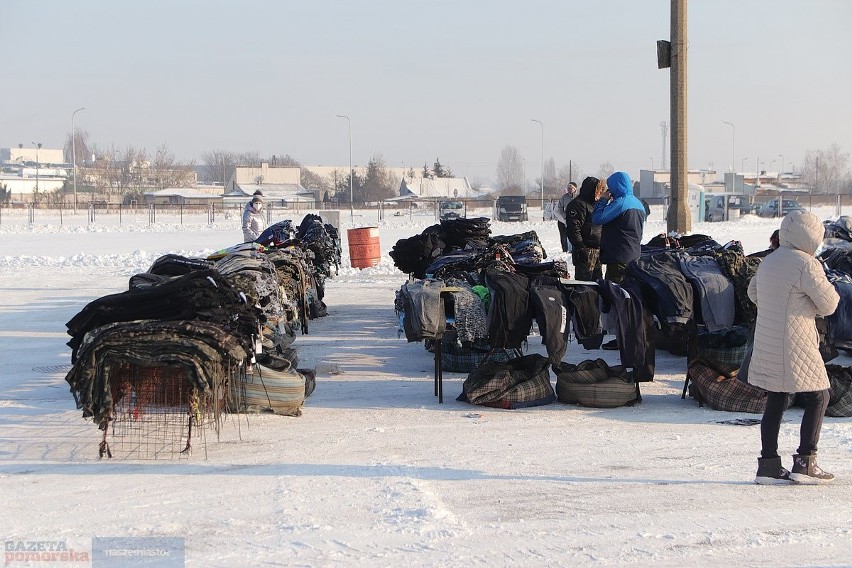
540,123
733,136
74,155
742,166
351,209
38,147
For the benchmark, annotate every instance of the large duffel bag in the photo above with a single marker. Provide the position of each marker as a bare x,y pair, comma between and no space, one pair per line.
718,387
840,391
266,390
518,383
595,384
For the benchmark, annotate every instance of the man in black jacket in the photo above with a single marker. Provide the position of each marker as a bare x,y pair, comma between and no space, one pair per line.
585,237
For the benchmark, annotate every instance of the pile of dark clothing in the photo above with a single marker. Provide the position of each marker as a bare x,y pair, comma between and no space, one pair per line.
460,246
323,241
414,254
693,281
214,318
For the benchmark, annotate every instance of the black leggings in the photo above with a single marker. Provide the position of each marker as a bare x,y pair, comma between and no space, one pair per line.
563,236
815,405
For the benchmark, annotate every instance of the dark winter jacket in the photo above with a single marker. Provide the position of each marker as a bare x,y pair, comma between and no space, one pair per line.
578,217
623,219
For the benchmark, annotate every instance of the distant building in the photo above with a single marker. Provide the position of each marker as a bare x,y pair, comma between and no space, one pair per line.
281,186
45,156
183,196
656,184
28,173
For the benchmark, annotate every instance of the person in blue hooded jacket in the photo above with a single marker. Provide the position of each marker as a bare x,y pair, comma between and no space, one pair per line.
622,217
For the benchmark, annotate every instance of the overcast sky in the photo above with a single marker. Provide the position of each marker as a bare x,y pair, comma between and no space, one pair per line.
451,79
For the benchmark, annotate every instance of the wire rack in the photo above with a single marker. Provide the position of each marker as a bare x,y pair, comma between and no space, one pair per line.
158,413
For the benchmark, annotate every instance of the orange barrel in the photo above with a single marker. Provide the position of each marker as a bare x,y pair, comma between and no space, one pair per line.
364,247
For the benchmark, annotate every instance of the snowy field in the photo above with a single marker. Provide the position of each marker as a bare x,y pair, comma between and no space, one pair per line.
376,472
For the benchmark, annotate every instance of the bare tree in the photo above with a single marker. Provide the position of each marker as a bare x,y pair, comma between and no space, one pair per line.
826,170
605,170
568,174
218,166
510,170
250,159
552,187
166,172
81,140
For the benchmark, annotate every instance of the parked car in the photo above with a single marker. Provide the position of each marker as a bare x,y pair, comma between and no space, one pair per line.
771,209
450,210
511,208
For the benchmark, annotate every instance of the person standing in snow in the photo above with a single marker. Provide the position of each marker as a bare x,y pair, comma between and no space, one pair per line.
559,212
253,219
622,217
791,290
585,236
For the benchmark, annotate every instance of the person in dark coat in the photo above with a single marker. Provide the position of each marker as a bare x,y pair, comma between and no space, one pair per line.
622,217
585,236
568,195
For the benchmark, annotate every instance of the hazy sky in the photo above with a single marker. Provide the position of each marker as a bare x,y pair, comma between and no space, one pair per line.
457,80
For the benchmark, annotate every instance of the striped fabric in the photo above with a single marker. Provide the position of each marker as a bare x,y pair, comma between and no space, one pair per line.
595,384
268,390
609,393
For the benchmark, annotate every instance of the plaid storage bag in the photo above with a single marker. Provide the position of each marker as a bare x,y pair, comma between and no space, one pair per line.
594,384
840,391
456,358
724,347
518,383
718,386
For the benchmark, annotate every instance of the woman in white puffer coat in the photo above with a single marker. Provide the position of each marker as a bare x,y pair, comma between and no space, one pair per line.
253,220
791,290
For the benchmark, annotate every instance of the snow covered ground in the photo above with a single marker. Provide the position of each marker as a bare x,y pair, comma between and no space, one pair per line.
376,472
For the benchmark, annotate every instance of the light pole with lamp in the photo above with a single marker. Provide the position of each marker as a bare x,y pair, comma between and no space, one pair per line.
742,166
38,147
351,207
540,123
74,155
733,139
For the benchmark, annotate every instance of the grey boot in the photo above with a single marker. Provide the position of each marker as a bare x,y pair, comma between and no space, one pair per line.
770,472
806,471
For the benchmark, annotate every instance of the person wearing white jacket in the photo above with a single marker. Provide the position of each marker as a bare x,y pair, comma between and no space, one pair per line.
253,220
791,290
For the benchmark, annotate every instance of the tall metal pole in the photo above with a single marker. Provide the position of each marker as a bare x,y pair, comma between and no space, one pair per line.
540,123
38,147
351,207
679,219
733,139
74,155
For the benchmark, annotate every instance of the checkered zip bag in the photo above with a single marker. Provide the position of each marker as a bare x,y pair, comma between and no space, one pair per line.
594,384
